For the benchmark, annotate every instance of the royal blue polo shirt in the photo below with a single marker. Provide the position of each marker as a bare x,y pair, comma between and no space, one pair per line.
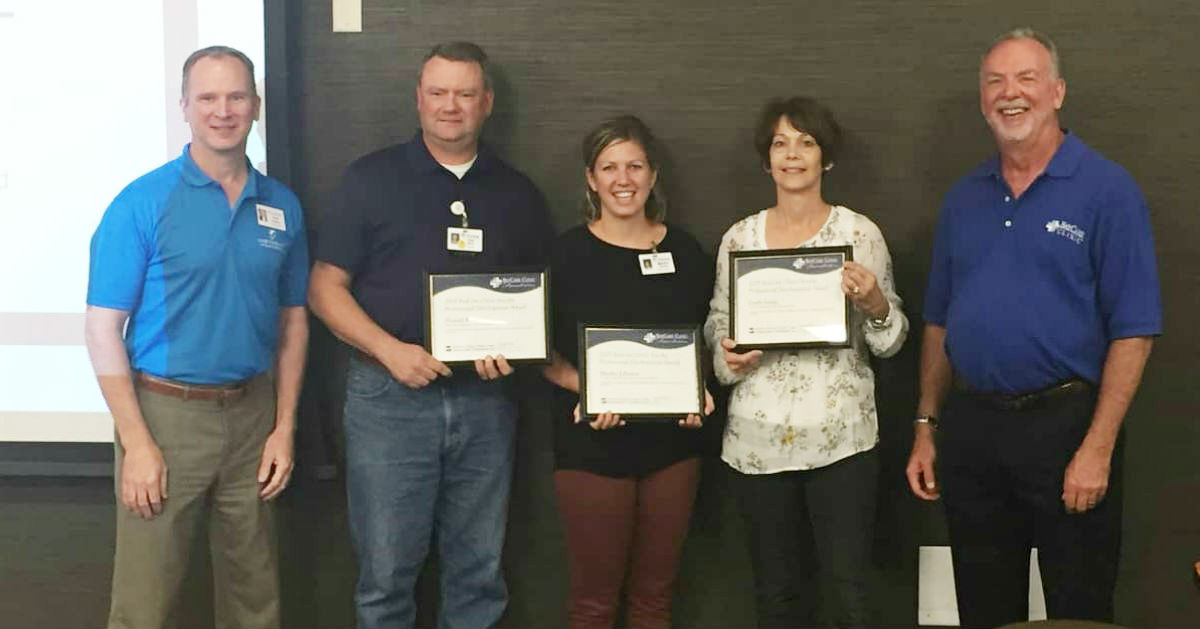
1032,290
203,282
388,221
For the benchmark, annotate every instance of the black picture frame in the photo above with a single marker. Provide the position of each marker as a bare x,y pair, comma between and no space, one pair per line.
426,293
847,252
697,337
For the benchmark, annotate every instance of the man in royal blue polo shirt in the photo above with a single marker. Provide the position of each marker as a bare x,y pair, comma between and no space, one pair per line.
428,452
207,261
1040,312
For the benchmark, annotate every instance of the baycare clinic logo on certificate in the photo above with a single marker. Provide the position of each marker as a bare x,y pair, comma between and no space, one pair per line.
668,339
515,283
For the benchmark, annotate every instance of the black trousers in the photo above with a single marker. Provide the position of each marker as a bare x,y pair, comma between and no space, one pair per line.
804,523
1002,482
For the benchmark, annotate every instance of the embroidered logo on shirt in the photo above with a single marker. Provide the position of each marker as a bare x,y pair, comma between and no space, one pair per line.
1066,230
271,243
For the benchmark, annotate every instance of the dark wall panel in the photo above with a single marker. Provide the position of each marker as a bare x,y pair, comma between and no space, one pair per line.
902,78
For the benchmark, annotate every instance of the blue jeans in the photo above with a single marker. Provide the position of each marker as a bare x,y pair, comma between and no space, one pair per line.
436,458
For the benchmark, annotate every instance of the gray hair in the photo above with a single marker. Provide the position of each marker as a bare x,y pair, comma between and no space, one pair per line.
1025,32
460,51
218,51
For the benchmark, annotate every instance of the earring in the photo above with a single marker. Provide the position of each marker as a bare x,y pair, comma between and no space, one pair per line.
828,167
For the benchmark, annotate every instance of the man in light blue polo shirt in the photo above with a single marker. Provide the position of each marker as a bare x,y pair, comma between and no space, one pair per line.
206,260
1042,305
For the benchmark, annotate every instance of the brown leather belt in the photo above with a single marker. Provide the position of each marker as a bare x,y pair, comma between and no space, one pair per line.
185,391
1024,401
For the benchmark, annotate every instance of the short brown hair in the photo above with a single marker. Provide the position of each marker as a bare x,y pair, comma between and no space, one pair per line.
218,51
620,129
805,114
461,51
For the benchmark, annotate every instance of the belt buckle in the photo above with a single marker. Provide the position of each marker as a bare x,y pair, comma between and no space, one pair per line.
1069,387
1033,398
231,394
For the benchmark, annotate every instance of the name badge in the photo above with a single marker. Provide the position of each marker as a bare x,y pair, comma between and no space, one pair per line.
656,263
270,217
467,239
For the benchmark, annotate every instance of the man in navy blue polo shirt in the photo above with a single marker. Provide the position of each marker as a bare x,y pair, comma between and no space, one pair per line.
1040,312
427,450
207,261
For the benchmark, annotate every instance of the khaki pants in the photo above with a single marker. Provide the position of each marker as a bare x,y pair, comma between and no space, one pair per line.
212,450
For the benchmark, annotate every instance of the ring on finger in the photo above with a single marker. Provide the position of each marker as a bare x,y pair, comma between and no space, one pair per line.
854,290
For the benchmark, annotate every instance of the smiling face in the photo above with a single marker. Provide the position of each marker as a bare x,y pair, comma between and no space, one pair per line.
1020,93
220,105
795,159
622,178
453,102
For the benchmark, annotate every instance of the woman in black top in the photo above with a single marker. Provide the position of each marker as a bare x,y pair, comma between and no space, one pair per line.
624,492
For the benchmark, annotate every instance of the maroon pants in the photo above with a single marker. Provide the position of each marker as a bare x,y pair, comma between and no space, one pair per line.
625,531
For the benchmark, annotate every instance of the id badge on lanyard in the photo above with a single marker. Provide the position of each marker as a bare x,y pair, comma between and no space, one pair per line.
464,239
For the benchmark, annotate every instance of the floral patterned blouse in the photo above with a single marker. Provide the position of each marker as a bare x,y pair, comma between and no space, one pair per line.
799,410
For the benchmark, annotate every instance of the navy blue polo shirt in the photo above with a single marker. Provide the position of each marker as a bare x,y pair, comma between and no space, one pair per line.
203,282
1031,291
388,224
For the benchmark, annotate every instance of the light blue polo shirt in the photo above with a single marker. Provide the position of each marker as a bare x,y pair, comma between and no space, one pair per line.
1032,290
203,283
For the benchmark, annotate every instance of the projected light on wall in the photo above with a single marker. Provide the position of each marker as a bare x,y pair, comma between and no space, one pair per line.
91,103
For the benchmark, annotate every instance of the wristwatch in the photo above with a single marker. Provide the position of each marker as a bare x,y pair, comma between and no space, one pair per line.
880,323
927,419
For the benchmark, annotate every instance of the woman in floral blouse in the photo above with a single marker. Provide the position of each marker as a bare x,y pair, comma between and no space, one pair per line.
802,426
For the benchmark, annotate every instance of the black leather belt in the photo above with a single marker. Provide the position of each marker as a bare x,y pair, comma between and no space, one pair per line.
1024,401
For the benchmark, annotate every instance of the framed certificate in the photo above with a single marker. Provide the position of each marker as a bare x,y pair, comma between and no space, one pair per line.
472,315
640,372
789,298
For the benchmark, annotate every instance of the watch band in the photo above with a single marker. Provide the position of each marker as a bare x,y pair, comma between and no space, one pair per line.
877,323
